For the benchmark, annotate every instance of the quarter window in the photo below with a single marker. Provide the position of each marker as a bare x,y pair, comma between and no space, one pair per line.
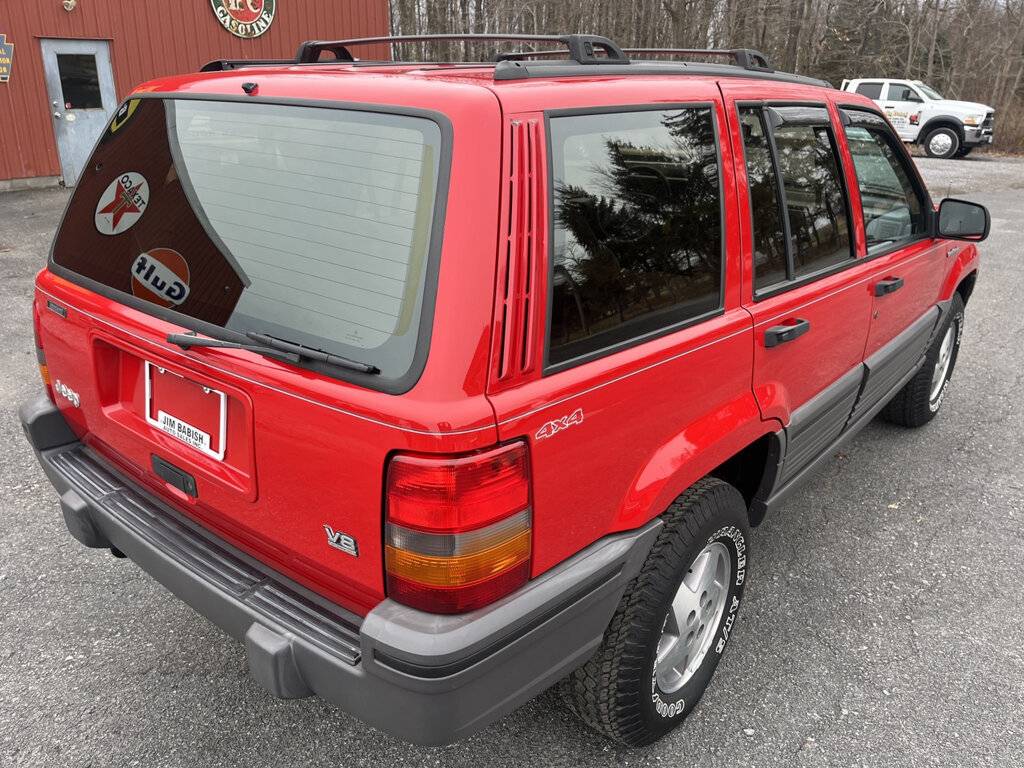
892,202
637,244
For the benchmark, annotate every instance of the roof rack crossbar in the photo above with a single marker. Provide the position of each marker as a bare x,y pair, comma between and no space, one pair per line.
583,49
747,58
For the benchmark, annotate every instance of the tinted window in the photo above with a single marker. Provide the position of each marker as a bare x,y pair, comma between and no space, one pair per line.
815,201
769,235
637,226
902,93
871,90
79,81
893,206
308,224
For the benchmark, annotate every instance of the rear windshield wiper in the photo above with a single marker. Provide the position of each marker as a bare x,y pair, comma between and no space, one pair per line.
264,345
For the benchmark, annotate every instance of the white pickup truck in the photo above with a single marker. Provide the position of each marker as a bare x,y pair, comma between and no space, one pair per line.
944,127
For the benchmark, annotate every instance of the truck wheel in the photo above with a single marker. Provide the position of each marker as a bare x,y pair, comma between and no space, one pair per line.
674,621
942,143
920,399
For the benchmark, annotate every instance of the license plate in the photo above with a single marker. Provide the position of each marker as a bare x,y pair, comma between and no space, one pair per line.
186,410
184,431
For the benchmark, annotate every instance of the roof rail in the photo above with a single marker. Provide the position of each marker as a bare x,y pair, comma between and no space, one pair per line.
747,58
219,65
583,49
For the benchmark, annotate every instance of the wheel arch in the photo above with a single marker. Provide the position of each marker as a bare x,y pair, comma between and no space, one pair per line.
941,121
753,471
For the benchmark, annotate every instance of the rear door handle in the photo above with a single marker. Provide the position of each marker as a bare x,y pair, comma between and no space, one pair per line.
887,286
780,334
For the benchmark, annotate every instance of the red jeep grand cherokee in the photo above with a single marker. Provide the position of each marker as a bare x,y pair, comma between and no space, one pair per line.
439,384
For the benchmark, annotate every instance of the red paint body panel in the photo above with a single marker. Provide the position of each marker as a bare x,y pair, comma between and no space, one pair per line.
634,428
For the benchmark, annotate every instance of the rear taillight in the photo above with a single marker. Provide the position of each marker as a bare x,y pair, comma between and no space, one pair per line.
458,528
44,371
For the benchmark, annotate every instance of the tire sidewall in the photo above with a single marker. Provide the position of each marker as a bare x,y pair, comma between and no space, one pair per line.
664,710
954,148
956,320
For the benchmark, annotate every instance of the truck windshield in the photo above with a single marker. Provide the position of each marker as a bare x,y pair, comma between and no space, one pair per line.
305,223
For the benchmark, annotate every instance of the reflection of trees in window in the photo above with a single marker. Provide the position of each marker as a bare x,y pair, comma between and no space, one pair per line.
769,236
641,228
889,199
814,197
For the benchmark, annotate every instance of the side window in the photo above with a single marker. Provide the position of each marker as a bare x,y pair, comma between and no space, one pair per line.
898,92
637,222
819,228
871,90
769,234
892,200
790,151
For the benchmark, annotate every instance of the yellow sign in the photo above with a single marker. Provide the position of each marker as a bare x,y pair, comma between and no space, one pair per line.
6,59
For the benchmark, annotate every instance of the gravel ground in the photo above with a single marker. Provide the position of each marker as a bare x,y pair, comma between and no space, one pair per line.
882,624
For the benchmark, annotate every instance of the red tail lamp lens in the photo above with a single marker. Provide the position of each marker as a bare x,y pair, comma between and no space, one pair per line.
459,528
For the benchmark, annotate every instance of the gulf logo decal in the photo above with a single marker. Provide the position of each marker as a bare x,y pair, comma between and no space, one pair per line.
160,276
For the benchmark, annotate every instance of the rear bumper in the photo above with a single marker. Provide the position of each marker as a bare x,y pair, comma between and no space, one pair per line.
426,678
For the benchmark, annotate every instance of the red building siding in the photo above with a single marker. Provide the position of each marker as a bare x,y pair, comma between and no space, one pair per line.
147,40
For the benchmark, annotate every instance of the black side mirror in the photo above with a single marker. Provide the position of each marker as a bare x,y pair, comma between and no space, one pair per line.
962,220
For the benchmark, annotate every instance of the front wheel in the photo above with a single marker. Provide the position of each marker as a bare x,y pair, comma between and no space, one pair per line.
942,143
921,398
668,633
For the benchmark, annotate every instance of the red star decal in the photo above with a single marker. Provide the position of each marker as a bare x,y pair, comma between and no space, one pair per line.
123,202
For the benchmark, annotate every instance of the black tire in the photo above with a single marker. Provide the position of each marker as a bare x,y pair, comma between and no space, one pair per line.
617,691
918,402
964,151
953,146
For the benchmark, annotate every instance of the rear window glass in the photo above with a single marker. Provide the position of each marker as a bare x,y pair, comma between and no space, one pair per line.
871,90
305,223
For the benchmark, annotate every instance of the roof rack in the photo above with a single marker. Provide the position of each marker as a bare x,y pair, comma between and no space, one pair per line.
582,52
747,58
582,49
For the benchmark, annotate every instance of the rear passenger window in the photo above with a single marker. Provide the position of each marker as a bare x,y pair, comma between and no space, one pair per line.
637,224
871,90
791,151
815,203
892,200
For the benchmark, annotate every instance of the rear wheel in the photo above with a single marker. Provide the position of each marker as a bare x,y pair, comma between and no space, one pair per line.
668,633
942,143
918,402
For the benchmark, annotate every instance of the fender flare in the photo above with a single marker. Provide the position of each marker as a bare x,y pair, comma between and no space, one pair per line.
690,454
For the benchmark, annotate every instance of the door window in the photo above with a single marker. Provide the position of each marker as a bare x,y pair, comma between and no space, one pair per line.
891,198
805,168
871,90
637,246
900,92
79,81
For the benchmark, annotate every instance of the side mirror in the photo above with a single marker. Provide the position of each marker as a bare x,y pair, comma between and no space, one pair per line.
961,220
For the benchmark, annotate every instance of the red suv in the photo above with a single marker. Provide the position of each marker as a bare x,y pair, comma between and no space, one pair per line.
438,384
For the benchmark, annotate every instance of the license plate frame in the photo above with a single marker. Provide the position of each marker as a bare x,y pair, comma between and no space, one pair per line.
167,427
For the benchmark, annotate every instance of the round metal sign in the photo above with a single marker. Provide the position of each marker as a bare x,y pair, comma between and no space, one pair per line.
245,18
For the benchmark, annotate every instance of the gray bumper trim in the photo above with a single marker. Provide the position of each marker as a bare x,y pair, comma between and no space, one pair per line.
426,678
